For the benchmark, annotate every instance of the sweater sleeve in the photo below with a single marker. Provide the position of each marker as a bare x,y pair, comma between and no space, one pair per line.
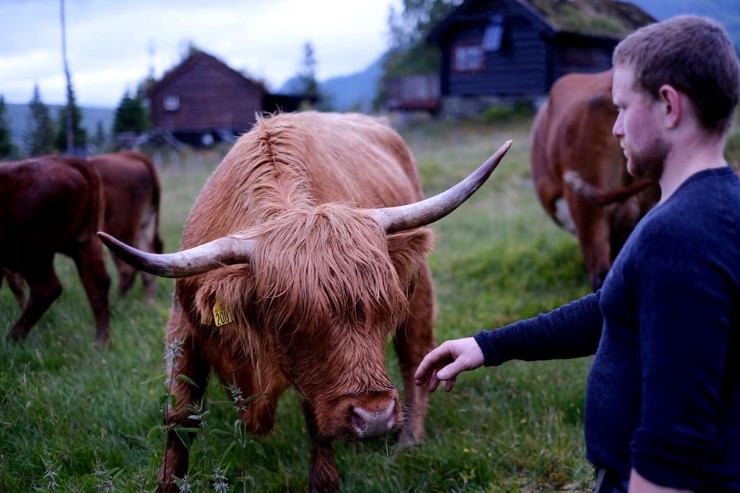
571,331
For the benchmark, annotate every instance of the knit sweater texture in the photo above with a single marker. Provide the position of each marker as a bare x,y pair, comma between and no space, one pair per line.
663,391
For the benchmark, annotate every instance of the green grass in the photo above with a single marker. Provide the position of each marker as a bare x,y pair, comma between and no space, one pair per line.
91,416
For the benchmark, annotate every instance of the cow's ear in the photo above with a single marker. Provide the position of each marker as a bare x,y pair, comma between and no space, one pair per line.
408,250
226,289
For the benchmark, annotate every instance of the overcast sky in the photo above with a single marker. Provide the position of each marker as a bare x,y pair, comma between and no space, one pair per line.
114,44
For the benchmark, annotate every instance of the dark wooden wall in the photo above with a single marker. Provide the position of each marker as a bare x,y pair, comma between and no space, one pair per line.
211,96
529,61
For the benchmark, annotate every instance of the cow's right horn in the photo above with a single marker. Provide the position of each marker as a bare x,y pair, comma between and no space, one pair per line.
227,250
404,217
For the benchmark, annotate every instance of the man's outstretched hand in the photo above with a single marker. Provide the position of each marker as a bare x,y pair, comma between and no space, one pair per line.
446,361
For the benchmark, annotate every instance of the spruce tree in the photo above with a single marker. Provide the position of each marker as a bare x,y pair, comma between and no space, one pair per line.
131,115
39,136
99,140
7,148
309,85
78,132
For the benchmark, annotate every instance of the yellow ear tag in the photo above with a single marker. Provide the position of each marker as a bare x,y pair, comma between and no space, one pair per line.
221,314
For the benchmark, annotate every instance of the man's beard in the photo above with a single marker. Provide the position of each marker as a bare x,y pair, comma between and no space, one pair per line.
650,163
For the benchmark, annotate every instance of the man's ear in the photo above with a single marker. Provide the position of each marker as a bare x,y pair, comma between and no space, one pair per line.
672,105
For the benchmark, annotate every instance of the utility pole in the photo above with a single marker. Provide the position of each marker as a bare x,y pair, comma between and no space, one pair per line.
70,131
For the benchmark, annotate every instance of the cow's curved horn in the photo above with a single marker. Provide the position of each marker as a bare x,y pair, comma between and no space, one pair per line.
227,250
427,211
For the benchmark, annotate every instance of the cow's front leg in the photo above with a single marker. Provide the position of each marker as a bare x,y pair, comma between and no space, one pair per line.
323,476
413,342
184,358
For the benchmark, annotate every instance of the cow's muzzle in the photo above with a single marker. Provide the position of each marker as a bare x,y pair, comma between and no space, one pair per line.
373,421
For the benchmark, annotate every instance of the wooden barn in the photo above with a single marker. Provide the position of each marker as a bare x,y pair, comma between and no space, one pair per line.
513,50
202,101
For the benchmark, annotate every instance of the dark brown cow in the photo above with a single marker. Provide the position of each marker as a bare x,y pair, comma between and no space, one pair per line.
52,205
572,132
132,191
132,195
299,259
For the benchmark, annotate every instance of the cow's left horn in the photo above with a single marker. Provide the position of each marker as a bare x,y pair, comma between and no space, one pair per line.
227,250
433,209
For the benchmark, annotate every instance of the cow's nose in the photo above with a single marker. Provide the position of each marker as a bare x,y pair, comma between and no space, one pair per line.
368,422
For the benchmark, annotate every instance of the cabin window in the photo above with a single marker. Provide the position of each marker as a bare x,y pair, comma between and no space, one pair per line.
468,58
171,102
494,34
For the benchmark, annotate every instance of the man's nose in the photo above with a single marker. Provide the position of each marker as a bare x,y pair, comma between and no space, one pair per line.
617,129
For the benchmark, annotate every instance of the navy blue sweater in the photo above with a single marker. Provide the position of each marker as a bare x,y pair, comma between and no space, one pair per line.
663,392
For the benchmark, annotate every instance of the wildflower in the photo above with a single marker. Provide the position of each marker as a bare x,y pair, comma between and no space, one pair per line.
237,397
51,477
104,484
199,414
220,485
183,484
174,353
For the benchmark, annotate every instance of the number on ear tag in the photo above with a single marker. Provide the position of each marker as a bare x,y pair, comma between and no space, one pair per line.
221,314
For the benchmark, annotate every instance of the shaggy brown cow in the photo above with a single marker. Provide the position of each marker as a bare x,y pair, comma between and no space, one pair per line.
299,259
52,205
132,193
572,131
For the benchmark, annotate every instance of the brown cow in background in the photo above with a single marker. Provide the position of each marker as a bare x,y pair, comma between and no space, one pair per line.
299,260
572,139
52,205
132,191
132,195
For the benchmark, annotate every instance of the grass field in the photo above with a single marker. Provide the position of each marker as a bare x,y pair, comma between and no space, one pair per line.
74,417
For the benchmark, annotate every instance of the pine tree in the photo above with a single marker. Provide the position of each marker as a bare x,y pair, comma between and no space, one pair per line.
131,115
7,149
39,136
78,132
309,84
99,140
307,73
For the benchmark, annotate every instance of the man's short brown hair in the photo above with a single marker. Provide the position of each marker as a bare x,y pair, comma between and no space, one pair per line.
694,55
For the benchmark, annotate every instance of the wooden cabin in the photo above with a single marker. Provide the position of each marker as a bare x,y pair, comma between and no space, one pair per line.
513,50
202,101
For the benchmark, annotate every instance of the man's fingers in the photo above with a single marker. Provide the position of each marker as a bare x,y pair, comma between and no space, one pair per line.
433,383
436,358
450,371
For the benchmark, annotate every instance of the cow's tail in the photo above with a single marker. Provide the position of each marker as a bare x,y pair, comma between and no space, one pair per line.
157,242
